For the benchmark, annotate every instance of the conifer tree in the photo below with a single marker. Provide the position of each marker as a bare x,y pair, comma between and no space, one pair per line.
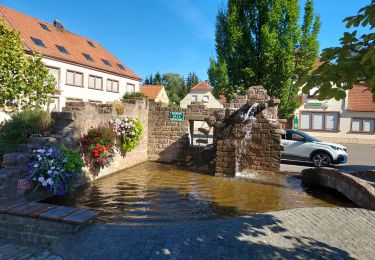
259,42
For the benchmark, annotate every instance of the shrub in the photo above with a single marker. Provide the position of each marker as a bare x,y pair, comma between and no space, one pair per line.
119,106
128,96
21,126
129,130
55,169
97,146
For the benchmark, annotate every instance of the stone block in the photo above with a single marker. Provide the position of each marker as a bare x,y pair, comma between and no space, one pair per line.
58,213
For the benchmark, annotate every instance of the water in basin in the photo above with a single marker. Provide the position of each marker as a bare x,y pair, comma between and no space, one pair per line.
154,193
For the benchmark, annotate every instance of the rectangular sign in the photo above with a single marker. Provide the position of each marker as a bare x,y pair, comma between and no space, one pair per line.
176,116
315,105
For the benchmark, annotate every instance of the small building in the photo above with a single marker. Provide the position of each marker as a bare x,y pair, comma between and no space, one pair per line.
351,120
84,70
155,93
201,93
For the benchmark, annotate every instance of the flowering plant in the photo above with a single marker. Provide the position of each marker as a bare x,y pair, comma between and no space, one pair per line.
97,145
129,130
55,169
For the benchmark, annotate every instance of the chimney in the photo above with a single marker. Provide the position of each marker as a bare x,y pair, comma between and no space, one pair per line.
58,25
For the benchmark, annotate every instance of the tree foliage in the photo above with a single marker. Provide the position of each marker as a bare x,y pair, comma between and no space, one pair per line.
175,85
259,42
24,80
348,64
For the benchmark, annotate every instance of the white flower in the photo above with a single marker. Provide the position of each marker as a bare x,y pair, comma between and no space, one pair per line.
41,150
41,179
49,181
44,183
49,172
36,165
53,167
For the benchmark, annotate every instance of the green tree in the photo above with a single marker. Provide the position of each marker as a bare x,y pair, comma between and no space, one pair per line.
261,42
191,80
24,80
149,80
351,63
174,85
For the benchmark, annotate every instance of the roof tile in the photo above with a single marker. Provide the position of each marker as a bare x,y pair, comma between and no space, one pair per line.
75,44
201,86
360,99
151,91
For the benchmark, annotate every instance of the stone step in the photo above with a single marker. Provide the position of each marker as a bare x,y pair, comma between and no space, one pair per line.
14,159
43,141
47,211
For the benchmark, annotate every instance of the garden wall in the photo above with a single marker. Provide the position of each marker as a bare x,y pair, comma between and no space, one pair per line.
168,141
78,117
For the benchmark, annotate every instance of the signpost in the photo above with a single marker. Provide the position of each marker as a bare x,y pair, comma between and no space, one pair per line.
176,116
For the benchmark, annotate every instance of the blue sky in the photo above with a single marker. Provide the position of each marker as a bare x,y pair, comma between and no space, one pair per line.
163,35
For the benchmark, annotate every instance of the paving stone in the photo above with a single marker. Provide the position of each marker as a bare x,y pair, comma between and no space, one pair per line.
308,233
58,213
42,207
80,216
9,204
26,209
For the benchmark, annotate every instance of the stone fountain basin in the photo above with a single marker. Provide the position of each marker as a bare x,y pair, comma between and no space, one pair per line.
359,187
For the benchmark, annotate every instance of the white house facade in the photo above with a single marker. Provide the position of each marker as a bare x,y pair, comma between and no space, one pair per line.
84,70
351,120
78,83
201,93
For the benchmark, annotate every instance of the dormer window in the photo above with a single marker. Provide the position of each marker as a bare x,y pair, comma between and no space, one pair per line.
38,42
106,62
91,44
88,57
45,27
120,66
62,49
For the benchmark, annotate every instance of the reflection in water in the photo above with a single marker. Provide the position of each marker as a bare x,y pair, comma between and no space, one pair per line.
152,193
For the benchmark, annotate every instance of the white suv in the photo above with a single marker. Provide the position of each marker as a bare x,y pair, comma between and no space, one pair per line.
299,146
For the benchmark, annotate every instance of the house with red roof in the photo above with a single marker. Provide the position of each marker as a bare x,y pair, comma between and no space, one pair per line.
155,93
83,68
351,120
201,93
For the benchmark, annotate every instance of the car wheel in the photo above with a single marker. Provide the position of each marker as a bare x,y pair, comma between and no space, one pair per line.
321,159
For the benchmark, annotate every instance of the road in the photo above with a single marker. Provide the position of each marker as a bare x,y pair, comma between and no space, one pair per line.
361,157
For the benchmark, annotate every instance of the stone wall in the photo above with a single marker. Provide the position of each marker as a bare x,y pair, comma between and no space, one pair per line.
248,145
33,230
358,186
70,126
78,117
169,141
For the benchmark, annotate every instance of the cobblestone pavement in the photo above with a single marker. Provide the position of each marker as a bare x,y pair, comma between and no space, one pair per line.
332,233
12,250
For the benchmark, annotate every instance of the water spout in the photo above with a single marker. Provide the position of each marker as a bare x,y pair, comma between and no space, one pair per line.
250,113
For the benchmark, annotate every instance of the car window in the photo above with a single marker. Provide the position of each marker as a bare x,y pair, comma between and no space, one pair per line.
297,137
